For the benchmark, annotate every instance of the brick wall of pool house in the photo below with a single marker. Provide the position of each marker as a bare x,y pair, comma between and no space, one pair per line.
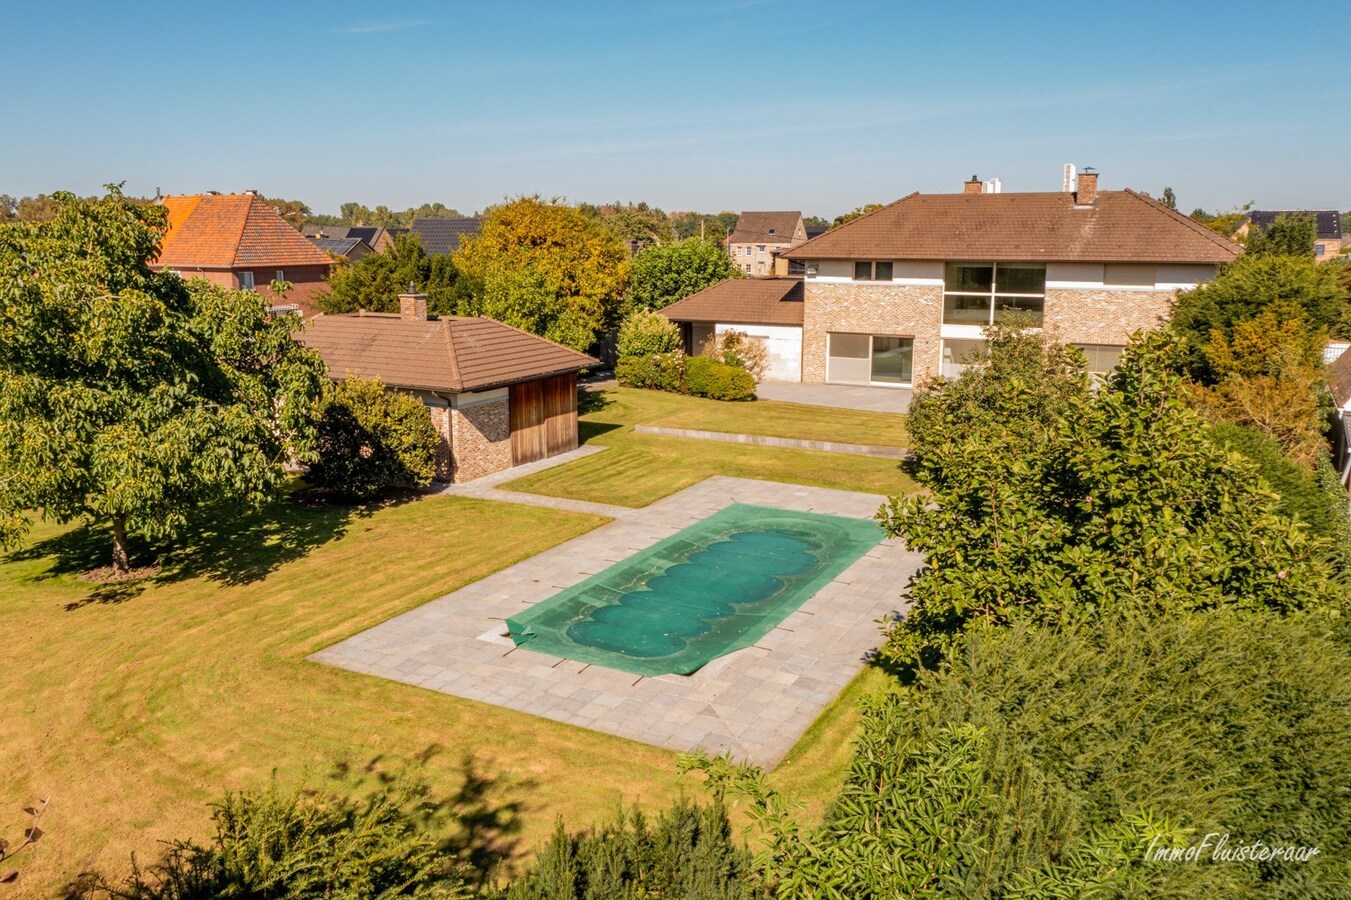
481,440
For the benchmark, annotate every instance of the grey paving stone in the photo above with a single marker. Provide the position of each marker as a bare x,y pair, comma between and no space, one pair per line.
754,703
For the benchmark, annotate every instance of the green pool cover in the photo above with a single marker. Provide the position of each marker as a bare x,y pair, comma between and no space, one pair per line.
707,590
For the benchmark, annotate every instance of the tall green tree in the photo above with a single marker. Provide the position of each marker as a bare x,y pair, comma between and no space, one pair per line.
709,226
1286,236
663,275
128,397
1169,199
855,213
633,221
1287,286
375,282
1050,502
547,268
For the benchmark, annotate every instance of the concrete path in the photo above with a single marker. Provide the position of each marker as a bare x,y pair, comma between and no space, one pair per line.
841,396
753,704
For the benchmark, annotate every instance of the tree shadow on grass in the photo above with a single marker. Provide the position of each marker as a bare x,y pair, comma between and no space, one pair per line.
222,543
588,430
486,828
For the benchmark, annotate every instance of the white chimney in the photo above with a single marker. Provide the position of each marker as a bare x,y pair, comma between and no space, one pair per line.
993,186
1070,184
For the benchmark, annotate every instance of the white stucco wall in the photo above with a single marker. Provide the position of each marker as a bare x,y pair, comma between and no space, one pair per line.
784,346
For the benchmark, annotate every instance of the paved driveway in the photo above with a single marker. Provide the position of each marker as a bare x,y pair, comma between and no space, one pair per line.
753,704
843,396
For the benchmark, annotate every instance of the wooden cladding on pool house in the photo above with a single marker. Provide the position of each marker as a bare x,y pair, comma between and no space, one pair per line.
543,418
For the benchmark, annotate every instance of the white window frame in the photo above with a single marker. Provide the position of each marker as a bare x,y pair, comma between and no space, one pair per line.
246,282
992,294
281,274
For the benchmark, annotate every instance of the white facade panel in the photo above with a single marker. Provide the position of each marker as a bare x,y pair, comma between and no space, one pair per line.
783,346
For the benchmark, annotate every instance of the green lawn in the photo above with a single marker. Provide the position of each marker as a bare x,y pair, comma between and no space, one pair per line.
762,416
638,469
134,707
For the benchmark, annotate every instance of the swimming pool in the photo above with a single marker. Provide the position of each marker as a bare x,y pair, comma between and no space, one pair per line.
714,587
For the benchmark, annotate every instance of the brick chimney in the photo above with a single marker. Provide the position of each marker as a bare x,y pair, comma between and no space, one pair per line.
1087,194
974,186
413,306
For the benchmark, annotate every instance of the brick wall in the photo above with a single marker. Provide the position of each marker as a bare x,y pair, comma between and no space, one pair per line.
307,284
480,440
445,467
1103,316
901,310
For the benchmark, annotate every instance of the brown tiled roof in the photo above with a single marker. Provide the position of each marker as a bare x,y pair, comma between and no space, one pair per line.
448,353
228,231
743,301
1122,226
1339,378
754,227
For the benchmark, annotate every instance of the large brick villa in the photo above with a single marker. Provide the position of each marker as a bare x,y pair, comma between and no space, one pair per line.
903,293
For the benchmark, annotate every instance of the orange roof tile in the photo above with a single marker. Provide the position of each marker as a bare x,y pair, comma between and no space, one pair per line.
227,231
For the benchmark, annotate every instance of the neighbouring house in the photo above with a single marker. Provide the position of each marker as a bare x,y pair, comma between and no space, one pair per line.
376,237
442,237
499,397
238,241
1328,241
767,310
351,249
760,235
904,292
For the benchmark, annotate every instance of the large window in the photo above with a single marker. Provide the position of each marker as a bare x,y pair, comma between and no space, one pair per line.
246,281
869,359
983,293
797,267
959,355
1102,358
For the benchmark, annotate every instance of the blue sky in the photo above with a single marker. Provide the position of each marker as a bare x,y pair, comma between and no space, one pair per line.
708,104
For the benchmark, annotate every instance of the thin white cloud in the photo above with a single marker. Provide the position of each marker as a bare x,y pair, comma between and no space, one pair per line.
381,27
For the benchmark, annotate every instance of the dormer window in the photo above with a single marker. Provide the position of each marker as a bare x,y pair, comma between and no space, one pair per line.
771,231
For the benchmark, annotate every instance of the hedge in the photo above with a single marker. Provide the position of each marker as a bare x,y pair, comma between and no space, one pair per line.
706,377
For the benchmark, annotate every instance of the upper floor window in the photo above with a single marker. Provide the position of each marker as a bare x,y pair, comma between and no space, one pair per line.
281,275
797,267
872,271
246,281
984,293
1319,249
761,248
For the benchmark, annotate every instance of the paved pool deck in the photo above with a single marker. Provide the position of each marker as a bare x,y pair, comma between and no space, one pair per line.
752,704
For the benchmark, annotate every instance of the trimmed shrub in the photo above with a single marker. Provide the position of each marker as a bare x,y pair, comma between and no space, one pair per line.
371,438
645,333
705,377
1042,763
660,371
687,853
